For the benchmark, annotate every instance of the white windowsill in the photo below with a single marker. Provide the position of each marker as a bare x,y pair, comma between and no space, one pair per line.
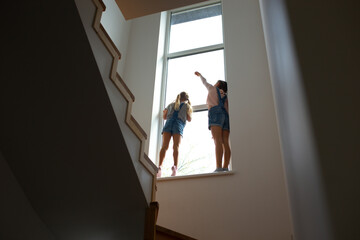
202,175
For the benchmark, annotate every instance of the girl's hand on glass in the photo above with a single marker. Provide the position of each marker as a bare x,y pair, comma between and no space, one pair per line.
197,74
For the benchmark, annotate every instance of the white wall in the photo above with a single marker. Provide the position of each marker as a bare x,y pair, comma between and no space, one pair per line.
252,203
118,29
140,67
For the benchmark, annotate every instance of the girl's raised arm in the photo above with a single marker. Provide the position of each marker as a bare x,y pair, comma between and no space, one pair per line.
206,84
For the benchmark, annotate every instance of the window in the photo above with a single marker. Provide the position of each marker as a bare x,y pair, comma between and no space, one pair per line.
194,43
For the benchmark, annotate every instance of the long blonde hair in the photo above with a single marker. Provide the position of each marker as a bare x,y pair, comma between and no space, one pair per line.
181,97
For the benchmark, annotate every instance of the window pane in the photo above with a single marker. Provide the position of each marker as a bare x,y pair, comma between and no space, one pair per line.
181,75
196,28
197,149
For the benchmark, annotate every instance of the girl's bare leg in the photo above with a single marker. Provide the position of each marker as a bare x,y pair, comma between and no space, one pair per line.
176,141
216,132
164,147
227,150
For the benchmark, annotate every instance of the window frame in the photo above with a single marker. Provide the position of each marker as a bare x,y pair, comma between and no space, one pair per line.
168,56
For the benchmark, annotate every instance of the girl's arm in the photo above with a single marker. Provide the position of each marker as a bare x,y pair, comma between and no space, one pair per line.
226,105
188,116
206,84
189,112
165,113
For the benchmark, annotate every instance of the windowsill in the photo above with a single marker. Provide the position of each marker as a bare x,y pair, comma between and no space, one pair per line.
202,175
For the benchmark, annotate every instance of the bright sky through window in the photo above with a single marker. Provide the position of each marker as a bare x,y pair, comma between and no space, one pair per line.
196,28
181,75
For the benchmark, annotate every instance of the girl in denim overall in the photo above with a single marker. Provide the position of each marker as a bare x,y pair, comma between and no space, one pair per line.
176,114
219,124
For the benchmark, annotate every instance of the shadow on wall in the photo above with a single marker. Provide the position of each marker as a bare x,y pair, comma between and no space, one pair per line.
313,56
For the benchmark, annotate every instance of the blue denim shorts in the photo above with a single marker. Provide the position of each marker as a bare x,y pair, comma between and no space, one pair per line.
219,117
174,126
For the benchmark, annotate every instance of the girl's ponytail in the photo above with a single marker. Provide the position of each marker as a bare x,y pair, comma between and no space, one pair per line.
183,96
177,103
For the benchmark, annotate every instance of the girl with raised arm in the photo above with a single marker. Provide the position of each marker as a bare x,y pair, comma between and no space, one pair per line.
176,114
218,106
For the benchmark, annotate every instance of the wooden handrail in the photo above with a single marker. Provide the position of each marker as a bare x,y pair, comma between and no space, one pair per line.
124,90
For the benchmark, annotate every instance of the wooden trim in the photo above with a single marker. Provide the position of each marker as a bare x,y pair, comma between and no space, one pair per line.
172,233
154,188
155,168
125,86
138,126
150,162
119,83
124,90
103,5
150,221
110,41
100,8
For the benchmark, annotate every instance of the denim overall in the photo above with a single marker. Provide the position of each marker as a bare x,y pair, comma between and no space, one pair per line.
175,125
218,116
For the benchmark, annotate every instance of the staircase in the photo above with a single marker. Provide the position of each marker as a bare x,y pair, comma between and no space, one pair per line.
108,56
151,231
122,100
146,169
67,169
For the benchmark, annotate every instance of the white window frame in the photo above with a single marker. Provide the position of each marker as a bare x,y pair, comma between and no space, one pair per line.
168,56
